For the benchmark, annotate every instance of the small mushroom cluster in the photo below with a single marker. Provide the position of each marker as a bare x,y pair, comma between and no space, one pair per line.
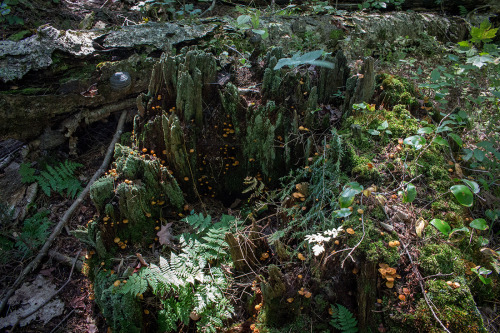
389,274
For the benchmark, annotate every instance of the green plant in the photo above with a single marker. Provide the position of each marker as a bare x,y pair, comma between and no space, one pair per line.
59,178
343,319
34,233
245,22
6,13
481,273
310,58
380,4
188,284
318,185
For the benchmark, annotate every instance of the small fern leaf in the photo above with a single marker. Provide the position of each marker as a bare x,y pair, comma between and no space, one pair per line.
343,320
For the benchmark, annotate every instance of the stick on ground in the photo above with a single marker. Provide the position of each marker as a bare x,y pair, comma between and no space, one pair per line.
57,230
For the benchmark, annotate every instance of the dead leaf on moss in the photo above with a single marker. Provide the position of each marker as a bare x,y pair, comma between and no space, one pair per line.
165,234
420,226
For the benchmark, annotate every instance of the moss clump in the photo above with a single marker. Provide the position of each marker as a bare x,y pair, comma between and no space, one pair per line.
455,308
139,191
375,246
275,311
122,311
101,192
396,90
363,172
440,259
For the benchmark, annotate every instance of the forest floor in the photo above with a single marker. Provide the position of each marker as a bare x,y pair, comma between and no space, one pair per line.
81,313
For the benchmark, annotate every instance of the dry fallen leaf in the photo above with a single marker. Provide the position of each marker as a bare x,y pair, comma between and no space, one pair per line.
165,234
420,226
458,171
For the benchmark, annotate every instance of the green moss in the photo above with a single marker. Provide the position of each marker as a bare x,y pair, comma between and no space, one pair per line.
441,259
455,308
122,311
375,246
363,172
101,192
396,90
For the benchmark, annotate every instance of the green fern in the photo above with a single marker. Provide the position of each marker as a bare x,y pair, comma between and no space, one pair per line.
34,233
343,320
186,283
59,178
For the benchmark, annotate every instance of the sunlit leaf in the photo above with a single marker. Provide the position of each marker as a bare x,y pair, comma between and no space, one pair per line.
462,194
442,226
416,141
425,130
473,185
344,212
479,224
440,141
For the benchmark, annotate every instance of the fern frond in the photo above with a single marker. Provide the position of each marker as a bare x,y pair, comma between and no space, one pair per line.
59,178
343,320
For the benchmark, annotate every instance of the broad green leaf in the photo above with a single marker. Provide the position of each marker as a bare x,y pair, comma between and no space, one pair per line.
435,75
456,138
416,141
480,60
442,226
345,201
479,155
425,130
440,141
243,19
347,196
479,224
410,194
480,272
473,185
443,129
373,132
383,126
462,194
310,56
344,212
487,145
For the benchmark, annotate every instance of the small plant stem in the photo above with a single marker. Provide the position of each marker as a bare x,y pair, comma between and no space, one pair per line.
419,278
362,237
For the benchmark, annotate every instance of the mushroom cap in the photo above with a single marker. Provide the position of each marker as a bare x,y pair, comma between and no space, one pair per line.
120,81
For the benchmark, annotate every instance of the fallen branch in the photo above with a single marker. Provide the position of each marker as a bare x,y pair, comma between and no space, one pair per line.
57,230
419,278
49,298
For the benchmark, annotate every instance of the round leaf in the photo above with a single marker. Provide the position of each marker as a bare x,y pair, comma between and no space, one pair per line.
440,141
479,224
473,185
344,212
416,141
410,194
425,130
462,194
441,226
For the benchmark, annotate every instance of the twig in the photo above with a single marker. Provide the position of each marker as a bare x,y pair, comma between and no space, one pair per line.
49,298
209,9
57,230
62,321
397,188
419,277
362,237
